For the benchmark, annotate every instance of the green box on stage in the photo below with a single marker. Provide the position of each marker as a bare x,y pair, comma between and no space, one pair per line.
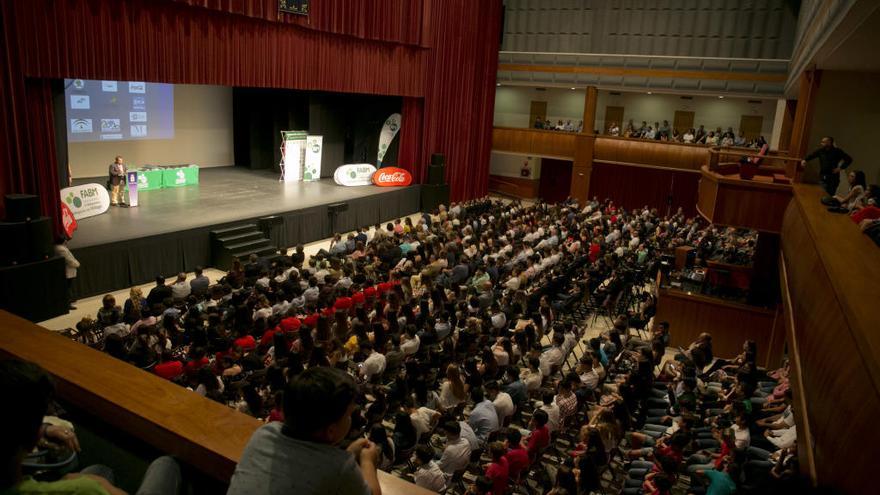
182,176
149,180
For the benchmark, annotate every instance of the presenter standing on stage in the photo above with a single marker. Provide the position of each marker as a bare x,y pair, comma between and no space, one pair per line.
117,182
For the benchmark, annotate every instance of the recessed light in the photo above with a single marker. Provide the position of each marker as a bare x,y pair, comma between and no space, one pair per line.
650,93
721,97
572,89
499,84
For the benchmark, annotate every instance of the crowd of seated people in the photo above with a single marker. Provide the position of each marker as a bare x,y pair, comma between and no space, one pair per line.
460,357
665,132
548,125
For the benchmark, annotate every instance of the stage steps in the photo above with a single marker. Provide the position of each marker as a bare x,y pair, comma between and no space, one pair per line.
239,241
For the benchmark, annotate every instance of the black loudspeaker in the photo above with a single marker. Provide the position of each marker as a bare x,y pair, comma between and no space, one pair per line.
436,174
13,243
434,196
23,242
41,245
438,159
22,207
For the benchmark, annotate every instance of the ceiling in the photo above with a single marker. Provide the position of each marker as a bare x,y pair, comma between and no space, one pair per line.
853,45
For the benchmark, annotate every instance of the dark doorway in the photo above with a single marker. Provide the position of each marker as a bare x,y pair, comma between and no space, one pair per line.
555,180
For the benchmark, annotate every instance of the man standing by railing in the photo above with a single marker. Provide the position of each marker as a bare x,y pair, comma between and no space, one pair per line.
831,161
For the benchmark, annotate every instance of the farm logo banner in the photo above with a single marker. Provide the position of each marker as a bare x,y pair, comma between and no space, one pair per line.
312,167
356,174
86,200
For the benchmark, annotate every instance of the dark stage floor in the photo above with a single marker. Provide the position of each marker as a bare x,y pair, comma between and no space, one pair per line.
224,195
169,231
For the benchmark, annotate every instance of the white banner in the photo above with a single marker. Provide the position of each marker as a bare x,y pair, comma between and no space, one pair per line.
293,148
389,130
355,174
314,149
86,200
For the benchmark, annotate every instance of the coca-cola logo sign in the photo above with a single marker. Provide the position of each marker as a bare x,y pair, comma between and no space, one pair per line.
392,176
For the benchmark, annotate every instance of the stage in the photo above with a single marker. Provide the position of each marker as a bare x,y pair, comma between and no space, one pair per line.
168,231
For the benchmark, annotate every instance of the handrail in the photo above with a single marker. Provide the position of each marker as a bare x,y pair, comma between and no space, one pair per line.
202,433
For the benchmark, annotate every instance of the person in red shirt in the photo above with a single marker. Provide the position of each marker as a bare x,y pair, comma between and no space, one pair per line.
498,471
168,367
246,342
539,438
517,456
197,361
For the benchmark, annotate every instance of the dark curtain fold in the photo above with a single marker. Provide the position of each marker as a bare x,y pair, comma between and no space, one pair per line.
635,187
40,167
410,155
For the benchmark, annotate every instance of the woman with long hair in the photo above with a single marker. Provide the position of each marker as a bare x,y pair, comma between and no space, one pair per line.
452,390
379,436
133,306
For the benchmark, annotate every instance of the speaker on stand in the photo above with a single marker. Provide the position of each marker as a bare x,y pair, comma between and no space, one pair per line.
435,192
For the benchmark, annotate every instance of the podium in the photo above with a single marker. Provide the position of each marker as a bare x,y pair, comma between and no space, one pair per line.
131,178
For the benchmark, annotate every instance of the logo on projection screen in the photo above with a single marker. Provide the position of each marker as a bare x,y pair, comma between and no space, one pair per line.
138,130
80,125
137,87
79,102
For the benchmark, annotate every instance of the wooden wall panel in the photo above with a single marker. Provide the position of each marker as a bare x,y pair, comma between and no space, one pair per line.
534,142
829,274
730,324
742,203
655,153
636,186
517,187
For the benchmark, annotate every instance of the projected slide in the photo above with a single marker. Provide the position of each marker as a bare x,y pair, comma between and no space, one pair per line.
117,110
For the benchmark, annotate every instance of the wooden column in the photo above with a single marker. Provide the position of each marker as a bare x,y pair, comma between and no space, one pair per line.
583,149
590,110
803,117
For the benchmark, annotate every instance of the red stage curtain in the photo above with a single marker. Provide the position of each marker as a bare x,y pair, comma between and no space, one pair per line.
397,21
174,43
41,169
635,187
409,156
460,92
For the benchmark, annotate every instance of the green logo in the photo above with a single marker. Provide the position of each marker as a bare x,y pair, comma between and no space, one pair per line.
352,174
73,200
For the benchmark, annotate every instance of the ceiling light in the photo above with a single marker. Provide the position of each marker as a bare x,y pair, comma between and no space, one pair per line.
650,93
573,89
499,84
721,97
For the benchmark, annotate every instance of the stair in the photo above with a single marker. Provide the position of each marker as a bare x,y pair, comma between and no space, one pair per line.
240,242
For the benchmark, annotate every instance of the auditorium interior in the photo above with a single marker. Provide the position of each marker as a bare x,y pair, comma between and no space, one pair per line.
504,247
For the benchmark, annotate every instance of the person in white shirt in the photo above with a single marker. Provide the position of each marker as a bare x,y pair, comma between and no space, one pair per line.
411,341
452,392
554,357
457,453
614,129
423,419
180,289
502,401
742,437
70,266
374,365
428,474
688,136
532,376
549,406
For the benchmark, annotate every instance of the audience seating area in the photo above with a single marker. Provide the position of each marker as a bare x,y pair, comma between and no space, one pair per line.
498,348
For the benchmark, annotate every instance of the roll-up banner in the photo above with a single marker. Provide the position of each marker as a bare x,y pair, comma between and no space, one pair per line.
354,174
389,130
293,148
312,171
86,200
